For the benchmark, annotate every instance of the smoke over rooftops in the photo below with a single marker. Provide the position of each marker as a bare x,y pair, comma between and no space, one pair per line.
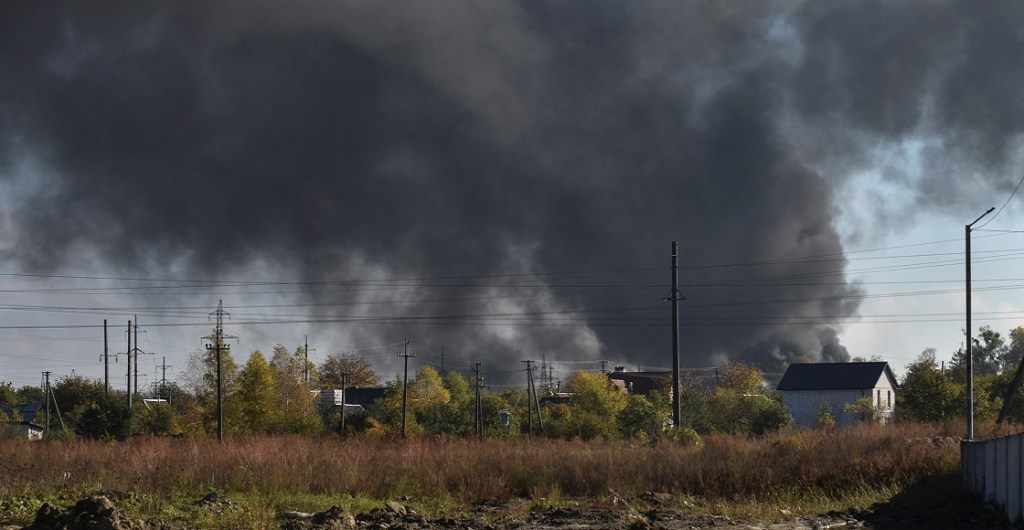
331,141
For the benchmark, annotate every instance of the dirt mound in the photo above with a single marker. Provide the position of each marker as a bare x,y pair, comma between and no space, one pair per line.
92,513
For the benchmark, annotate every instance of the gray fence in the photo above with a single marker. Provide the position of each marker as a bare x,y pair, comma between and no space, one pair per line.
995,470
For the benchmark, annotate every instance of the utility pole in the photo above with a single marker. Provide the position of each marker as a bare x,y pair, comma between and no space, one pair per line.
106,362
46,391
305,349
478,424
136,352
675,296
217,346
536,401
129,366
604,367
970,348
529,396
405,384
531,390
344,380
163,379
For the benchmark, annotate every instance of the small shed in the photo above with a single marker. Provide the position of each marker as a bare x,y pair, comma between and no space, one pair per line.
808,387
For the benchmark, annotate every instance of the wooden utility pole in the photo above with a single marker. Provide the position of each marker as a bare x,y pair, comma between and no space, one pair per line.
532,400
405,385
46,391
529,397
478,424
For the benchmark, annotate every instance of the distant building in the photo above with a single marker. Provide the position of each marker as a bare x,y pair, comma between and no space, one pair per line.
640,382
806,388
354,399
22,417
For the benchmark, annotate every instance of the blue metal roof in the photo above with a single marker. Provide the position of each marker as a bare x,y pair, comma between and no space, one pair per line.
835,376
28,411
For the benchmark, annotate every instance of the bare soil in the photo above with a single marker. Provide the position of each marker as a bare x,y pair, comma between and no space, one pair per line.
100,513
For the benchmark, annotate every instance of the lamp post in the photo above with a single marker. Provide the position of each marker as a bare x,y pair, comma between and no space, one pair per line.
970,344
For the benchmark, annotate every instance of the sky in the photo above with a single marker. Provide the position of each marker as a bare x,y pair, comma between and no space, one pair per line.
502,181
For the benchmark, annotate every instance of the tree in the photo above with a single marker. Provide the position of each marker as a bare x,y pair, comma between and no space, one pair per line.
358,371
595,406
201,379
294,397
742,378
426,394
453,416
156,418
863,410
258,395
645,416
927,394
1010,357
7,393
30,394
988,347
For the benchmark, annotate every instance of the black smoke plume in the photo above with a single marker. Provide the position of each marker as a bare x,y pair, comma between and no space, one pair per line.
459,145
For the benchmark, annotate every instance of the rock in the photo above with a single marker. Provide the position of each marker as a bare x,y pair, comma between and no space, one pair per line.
209,498
334,518
295,516
396,507
92,513
94,506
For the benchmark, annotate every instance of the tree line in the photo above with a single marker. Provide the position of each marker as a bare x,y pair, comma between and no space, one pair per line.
280,394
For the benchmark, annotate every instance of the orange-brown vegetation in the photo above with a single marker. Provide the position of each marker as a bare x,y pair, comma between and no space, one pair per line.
867,456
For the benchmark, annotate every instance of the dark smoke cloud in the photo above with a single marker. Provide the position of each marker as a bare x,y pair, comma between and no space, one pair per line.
343,140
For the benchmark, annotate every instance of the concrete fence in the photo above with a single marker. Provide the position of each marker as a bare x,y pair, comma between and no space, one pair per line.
994,469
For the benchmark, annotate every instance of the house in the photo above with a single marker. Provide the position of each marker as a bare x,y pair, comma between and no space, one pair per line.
355,399
808,388
640,382
22,417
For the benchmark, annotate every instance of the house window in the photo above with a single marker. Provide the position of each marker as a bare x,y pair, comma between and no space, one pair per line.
888,398
879,399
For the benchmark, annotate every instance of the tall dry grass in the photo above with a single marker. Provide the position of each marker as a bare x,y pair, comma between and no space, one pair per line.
471,471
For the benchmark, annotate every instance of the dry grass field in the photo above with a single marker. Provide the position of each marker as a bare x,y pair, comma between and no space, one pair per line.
805,471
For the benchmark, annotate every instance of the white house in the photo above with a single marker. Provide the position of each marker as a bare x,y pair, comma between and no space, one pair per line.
807,387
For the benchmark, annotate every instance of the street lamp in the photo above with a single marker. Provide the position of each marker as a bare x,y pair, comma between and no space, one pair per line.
970,344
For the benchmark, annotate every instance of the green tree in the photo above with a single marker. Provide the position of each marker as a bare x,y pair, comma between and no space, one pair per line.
863,410
7,393
154,418
258,395
926,394
201,379
295,399
1010,357
30,394
595,406
645,416
452,416
105,418
988,348
426,394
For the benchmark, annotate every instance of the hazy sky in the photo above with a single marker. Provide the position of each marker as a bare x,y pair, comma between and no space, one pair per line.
503,180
